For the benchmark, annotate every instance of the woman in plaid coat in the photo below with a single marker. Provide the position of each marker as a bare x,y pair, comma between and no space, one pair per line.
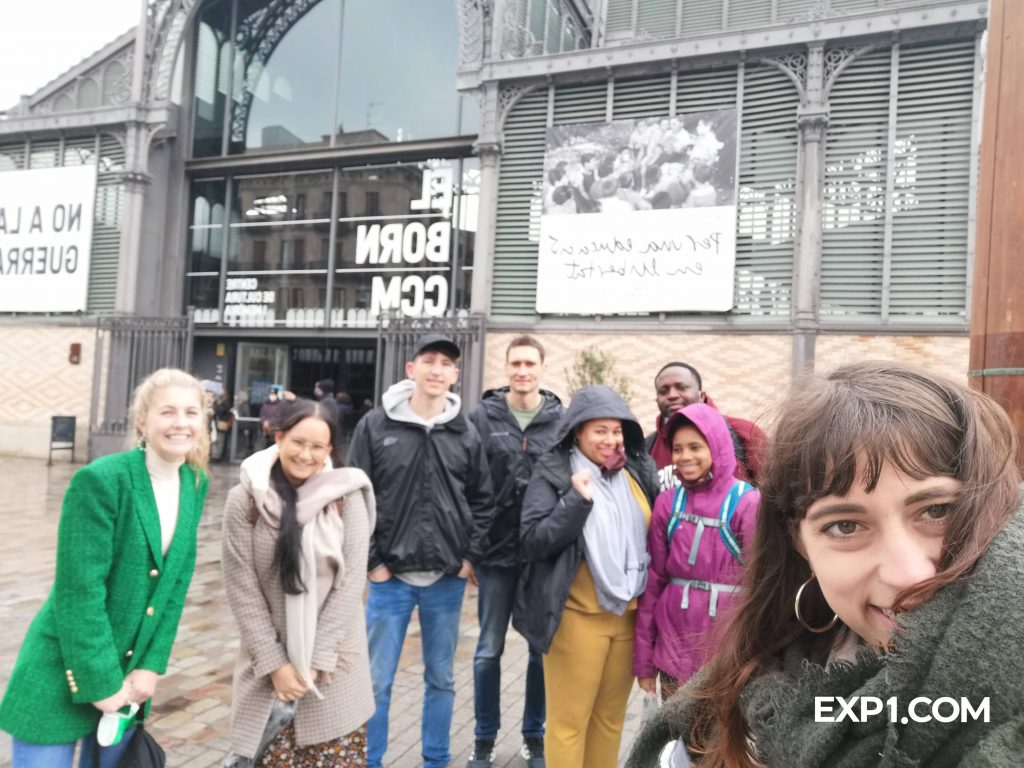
296,540
126,548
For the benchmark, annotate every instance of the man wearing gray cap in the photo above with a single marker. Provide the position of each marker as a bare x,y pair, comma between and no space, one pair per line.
430,474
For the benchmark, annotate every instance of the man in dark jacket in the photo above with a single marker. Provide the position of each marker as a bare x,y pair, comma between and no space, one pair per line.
678,385
434,508
518,424
323,391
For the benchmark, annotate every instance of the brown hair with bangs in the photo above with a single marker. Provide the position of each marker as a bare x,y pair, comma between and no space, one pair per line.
922,424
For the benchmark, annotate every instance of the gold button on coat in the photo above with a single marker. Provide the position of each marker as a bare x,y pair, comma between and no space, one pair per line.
150,611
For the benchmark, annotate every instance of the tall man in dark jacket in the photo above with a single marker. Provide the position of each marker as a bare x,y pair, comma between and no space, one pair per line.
434,509
518,424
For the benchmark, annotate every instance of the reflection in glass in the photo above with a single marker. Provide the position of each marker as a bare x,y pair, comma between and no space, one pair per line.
206,225
201,291
212,77
288,53
266,74
413,255
274,229
398,62
291,300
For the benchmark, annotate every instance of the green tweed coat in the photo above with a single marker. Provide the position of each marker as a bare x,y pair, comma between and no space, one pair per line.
115,601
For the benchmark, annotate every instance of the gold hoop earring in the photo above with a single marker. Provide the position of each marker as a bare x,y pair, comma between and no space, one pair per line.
796,609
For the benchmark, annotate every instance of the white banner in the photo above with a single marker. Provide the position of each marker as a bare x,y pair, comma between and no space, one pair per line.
46,219
641,261
639,216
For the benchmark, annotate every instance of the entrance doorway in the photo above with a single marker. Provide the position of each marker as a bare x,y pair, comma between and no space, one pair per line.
259,367
351,365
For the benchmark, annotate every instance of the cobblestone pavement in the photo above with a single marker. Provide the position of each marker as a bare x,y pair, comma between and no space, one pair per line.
193,701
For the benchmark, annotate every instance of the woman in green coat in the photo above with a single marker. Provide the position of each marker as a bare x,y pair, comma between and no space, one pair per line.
126,548
882,605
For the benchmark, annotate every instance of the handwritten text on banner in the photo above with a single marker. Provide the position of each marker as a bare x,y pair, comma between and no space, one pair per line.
639,261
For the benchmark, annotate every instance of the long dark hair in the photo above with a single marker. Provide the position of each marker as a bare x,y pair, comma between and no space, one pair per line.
288,548
924,425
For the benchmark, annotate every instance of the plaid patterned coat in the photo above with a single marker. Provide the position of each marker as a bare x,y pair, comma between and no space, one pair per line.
257,600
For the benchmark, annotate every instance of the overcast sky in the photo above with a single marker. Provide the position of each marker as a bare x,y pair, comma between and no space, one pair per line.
40,39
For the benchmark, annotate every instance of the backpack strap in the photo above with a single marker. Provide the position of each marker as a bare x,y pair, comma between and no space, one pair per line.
678,505
732,499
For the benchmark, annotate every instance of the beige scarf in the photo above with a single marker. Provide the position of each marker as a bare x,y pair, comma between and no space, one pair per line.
320,515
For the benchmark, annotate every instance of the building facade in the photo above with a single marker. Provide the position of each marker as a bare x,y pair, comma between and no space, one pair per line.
291,172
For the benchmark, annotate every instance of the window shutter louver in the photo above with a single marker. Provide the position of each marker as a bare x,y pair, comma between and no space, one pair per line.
747,14
106,232
920,274
766,213
932,181
514,275
853,208
656,18
700,16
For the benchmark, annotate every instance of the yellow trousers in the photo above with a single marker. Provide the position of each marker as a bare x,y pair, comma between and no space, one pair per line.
588,674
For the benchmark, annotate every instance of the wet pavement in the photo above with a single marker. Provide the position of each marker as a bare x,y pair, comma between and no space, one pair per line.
193,701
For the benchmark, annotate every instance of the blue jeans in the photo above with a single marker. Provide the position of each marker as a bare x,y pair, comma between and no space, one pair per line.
25,755
497,594
388,611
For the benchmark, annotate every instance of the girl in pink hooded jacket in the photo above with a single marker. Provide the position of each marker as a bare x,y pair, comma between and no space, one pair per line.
695,541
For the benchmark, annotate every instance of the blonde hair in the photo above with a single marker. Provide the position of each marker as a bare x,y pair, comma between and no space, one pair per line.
198,458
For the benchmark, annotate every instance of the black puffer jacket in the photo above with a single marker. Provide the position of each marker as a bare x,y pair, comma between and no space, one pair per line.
512,453
554,513
434,504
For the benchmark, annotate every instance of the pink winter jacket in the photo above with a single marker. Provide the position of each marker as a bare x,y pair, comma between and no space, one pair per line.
669,638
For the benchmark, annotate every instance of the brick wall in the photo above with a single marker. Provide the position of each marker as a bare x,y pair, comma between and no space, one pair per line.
743,373
38,382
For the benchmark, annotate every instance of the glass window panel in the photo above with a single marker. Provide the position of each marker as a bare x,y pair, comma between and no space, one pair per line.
407,258
211,77
288,53
385,92
206,225
289,300
274,228
201,291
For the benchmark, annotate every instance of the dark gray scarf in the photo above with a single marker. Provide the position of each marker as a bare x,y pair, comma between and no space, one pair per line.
965,642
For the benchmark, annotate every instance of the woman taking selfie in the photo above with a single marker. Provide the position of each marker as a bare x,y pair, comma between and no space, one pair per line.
126,549
296,540
887,569
584,530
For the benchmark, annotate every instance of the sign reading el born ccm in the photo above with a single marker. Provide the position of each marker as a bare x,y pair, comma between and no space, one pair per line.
46,220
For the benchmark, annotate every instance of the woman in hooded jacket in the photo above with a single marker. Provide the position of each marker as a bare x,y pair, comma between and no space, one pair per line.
584,530
296,541
695,540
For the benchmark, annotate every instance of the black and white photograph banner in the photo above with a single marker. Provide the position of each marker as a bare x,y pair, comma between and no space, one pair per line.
639,216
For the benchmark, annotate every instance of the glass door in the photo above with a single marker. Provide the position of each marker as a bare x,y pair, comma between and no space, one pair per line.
260,367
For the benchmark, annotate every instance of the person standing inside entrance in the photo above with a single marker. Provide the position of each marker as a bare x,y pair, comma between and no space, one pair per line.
518,424
434,509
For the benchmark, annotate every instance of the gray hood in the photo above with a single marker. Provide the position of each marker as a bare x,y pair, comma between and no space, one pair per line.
396,405
600,401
